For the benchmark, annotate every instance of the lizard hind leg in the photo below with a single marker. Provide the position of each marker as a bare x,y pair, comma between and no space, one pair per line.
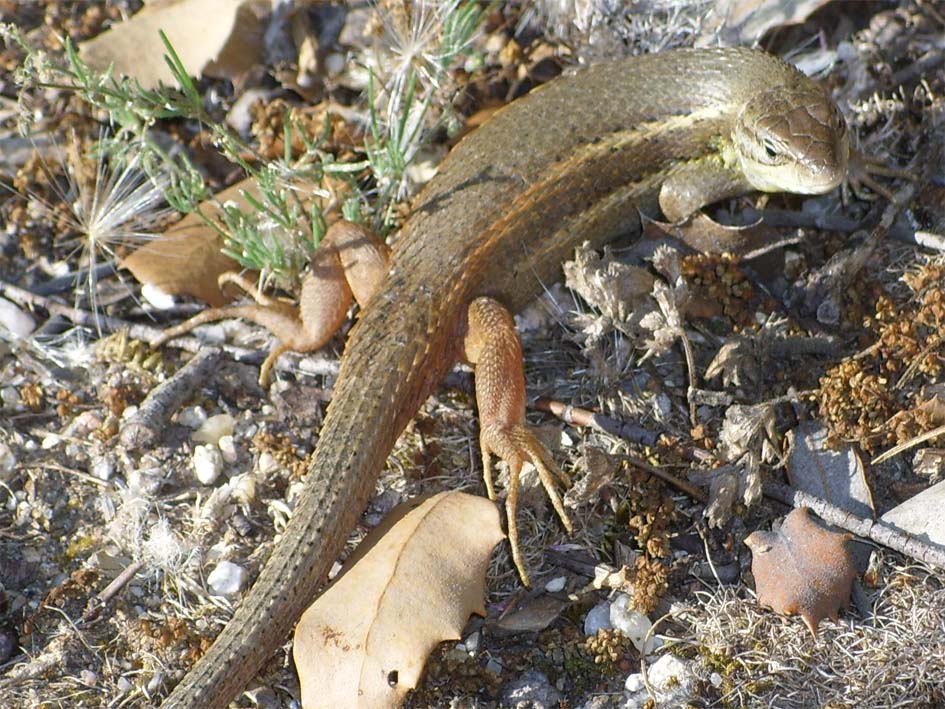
492,345
351,263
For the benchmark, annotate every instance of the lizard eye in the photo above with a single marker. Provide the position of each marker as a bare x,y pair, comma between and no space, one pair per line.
770,149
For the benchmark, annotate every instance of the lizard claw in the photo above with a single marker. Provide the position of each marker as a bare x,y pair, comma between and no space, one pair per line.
516,444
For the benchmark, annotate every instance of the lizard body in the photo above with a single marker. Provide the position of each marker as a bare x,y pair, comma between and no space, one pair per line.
570,162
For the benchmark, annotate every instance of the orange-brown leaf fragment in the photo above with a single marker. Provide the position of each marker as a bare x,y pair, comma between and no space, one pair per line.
802,568
364,641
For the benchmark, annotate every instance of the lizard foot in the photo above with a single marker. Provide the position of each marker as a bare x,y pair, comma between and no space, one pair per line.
516,444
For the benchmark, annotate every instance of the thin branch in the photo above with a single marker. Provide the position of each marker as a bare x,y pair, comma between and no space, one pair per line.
875,530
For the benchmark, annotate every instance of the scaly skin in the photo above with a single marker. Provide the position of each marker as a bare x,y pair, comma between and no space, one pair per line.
570,162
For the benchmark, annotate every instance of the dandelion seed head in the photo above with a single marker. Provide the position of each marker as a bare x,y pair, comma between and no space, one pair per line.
163,550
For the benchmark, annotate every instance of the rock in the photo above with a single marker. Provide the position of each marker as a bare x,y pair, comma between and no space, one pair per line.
214,428
192,417
598,618
631,622
226,579
671,678
531,690
17,322
208,464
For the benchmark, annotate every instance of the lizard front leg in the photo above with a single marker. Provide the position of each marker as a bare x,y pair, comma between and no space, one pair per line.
351,262
492,345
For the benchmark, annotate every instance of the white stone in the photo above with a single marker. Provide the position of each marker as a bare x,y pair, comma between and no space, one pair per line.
598,618
7,461
672,678
214,428
226,579
556,584
10,397
18,322
104,467
208,464
267,463
192,416
155,683
334,63
634,682
631,622
228,449
88,678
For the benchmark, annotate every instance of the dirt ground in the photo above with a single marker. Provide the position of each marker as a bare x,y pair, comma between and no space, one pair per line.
837,330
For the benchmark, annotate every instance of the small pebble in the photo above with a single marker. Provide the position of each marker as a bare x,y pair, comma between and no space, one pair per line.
228,449
334,63
124,685
631,622
556,584
18,322
88,678
471,643
50,441
192,416
155,683
243,488
267,463
214,428
226,579
7,461
103,468
208,464
10,397
634,682
673,678
598,618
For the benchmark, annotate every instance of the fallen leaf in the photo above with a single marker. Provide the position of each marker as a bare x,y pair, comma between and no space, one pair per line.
802,568
187,258
218,38
705,235
364,641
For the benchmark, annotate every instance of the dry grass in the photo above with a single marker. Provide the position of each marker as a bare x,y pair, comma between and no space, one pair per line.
896,658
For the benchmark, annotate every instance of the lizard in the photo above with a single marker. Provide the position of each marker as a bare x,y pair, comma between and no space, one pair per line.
573,161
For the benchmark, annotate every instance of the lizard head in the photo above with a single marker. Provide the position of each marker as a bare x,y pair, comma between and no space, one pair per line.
792,139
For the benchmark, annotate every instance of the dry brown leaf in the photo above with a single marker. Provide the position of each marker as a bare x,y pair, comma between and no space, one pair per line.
364,641
186,259
218,38
704,234
802,568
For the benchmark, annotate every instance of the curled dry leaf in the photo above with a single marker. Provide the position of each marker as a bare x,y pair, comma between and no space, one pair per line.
802,568
219,38
364,641
187,258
